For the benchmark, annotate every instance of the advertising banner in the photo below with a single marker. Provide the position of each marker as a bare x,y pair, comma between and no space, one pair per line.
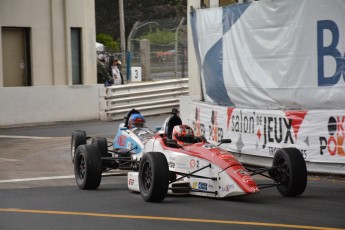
279,54
318,134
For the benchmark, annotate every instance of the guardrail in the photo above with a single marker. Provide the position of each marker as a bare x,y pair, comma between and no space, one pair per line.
150,98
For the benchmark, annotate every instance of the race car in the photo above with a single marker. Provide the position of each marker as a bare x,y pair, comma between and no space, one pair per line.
159,165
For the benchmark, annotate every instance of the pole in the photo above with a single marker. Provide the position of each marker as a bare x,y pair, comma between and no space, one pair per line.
176,46
122,32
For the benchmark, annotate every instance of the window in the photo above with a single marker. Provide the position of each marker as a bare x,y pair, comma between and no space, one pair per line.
76,56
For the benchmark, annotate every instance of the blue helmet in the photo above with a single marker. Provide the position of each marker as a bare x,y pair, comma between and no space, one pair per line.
136,120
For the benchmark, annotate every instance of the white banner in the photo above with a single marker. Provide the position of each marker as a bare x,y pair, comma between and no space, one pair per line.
318,134
279,54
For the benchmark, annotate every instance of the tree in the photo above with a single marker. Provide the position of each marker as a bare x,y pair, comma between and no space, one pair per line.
107,13
107,41
160,37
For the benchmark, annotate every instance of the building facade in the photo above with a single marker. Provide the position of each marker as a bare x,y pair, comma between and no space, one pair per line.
47,43
48,63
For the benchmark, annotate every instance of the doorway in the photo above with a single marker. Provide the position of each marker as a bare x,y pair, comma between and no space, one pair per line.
16,56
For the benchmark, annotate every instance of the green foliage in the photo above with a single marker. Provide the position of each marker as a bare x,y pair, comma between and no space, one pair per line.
108,42
160,37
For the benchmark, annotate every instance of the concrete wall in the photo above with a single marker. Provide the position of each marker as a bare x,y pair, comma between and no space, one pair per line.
26,105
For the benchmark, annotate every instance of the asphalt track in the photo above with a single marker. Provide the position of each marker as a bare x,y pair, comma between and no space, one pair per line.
38,191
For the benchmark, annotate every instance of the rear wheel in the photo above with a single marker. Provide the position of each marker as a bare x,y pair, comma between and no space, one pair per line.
290,172
87,167
101,144
153,177
78,138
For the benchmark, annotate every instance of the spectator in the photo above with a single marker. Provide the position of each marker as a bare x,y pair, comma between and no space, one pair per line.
117,76
103,77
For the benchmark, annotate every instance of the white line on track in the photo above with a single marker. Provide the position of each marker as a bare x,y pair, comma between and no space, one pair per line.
7,159
54,178
36,179
25,137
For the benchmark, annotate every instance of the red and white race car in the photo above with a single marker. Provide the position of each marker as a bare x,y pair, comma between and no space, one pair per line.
159,165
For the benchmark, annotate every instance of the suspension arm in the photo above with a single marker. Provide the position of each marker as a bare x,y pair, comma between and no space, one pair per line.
191,174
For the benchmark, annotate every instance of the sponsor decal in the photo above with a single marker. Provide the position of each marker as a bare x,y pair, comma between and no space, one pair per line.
202,186
329,49
195,185
297,117
216,133
129,145
228,188
209,146
241,172
268,129
225,156
229,112
255,130
246,179
181,165
171,164
241,123
122,140
199,129
130,182
273,131
272,150
333,144
255,189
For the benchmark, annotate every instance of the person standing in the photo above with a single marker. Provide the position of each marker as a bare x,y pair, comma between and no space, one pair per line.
116,74
103,76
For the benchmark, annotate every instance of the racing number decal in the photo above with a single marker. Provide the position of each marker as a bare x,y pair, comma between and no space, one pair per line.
194,163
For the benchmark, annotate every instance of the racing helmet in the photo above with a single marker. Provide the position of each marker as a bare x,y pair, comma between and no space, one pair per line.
136,120
183,134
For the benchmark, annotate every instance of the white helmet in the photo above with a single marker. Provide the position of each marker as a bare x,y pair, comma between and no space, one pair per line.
183,134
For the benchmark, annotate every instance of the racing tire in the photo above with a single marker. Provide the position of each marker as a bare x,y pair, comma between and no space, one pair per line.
101,144
87,167
78,138
153,177
289,172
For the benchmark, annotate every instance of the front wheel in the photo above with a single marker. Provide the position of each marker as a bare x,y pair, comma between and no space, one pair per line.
87,167
153,177
289,172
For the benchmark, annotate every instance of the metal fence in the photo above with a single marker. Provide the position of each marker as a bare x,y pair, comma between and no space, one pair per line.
167,60
151,98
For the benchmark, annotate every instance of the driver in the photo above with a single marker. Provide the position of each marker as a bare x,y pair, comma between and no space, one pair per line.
183,134
136,121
